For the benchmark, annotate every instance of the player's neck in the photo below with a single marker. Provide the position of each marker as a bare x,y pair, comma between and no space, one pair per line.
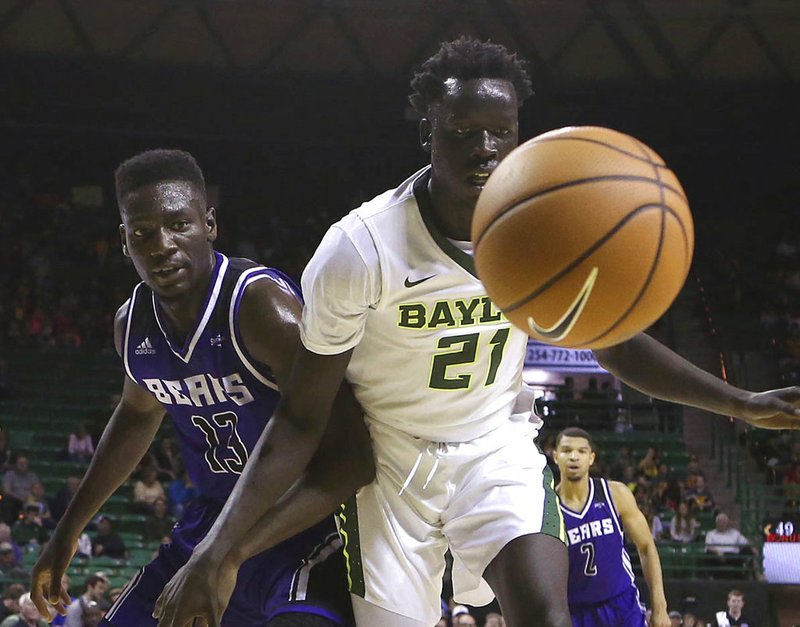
182,313
453,217
574,493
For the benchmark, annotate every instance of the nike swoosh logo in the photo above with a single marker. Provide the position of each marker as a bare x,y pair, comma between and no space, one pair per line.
564,325
409,283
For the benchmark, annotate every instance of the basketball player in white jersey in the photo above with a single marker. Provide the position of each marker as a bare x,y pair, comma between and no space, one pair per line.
393,305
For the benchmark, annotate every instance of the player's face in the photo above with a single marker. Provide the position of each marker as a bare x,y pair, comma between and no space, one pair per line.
469,131
574,457
167,232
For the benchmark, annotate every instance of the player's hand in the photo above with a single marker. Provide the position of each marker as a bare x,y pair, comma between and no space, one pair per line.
46,591
774,409
199,590
660,618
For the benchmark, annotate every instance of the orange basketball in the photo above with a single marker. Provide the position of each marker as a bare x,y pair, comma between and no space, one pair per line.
583,237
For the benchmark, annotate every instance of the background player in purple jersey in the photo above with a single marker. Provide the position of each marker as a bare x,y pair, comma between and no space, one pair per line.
602,592
211,340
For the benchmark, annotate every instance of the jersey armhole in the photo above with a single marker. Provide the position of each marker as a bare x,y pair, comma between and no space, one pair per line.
246,278
126,338
610,500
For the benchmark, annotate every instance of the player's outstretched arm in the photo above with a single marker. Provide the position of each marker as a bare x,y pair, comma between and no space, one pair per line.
636,528
650,367
125,440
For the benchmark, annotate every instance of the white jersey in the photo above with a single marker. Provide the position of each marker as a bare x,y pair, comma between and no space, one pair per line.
432,356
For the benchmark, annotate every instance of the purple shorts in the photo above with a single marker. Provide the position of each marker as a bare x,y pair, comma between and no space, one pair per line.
305,574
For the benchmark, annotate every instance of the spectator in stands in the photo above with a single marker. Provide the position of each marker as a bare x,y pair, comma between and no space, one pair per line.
723,543
624,458
493,619
29,530
693,471
107,542
147,490
8,567
700,496
92,614
691,620
181,491
5,536
11,600
80,447
566,392
168,460
629,478
96,587
648,465
675,619
37,498
17,484
58,505
684,526
734,615
462,617
5,452
653,521
28,615
158,525
84,548
592,392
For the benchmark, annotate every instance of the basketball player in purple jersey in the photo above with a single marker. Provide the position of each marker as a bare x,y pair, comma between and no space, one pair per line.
597,514
210,340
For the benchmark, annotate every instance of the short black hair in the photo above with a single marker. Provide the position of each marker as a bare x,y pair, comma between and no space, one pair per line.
155,166
93,580
575,432
467,58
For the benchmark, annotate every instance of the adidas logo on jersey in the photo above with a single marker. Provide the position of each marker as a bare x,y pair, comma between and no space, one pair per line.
145,348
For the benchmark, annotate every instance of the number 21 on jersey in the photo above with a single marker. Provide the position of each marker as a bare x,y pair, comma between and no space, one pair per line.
463,350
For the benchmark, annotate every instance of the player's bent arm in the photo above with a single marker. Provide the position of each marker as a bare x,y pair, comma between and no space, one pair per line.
269,321
342,464
647,365
636,528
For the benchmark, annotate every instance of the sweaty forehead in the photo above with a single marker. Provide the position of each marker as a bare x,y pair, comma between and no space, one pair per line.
162,197
459,93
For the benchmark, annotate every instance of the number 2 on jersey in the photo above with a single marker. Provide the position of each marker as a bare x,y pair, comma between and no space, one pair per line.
590,569
226,451
465,354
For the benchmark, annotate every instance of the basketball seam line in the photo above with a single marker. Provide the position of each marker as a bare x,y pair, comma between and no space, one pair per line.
650,273
568,184
583,256
633,155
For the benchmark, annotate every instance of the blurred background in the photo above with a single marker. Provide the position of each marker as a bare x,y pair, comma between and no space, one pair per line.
297,112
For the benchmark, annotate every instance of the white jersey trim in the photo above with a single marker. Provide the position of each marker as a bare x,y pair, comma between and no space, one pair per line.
244,280
212,301
612,508
587,505
129,315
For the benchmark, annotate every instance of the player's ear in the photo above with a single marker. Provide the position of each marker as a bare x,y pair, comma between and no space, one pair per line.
122,240
211,224
425,134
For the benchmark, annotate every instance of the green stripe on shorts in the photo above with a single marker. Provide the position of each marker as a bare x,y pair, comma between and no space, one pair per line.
552,518
348,529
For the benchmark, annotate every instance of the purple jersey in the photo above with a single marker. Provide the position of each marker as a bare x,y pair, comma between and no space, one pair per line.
599,566
219,398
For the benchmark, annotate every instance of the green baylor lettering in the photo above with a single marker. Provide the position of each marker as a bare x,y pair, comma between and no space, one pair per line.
449,313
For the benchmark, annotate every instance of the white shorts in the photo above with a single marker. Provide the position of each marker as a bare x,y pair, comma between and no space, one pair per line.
473,497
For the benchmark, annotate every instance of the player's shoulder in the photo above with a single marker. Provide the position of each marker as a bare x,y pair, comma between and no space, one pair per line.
120,324
393,201
620,494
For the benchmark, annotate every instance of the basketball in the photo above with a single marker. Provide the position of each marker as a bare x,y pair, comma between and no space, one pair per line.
583,237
